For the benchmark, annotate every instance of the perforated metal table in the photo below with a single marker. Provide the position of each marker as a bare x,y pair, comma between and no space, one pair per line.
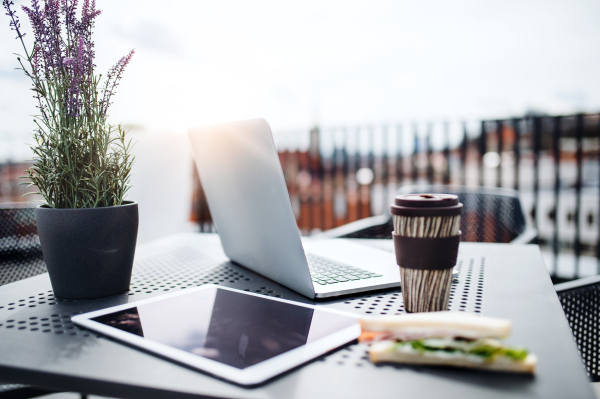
40,346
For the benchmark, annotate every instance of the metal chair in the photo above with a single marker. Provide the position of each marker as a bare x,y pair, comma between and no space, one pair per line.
580,300
20,257
20,251
489,215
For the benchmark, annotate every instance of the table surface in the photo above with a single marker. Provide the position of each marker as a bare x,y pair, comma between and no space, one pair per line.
40,346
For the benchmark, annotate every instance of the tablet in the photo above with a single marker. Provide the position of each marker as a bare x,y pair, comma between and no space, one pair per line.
235,335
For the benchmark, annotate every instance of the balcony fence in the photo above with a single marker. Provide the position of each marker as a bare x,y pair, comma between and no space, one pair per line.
339,175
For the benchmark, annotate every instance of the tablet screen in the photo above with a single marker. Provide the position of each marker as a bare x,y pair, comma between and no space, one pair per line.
226,326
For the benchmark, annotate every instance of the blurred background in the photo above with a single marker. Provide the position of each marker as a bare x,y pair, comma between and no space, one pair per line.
362,98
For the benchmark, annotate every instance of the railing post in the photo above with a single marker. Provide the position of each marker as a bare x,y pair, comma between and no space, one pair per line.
537,125
499,131
316,186
429,154
366,212
385,166
517,151
463,155
482,150
415,158
351,198
345,171
355,165
579,159
399,170
327,185
556,151
447,153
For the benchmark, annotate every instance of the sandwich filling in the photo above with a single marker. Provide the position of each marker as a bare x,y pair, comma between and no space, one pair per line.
485,349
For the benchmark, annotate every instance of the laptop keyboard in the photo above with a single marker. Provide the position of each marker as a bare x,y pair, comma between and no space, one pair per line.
323,271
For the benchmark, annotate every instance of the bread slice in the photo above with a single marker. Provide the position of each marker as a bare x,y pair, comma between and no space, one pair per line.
388,351
439,324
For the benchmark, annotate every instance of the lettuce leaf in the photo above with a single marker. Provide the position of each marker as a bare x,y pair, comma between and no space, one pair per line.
477,348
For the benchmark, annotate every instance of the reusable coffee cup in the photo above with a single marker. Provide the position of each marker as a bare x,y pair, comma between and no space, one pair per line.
426,238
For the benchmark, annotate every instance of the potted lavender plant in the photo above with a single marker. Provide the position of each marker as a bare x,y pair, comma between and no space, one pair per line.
82,163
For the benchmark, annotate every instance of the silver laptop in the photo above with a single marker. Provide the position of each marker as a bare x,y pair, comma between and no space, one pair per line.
251,209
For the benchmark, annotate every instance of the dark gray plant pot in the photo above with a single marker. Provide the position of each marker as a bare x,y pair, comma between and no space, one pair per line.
88,251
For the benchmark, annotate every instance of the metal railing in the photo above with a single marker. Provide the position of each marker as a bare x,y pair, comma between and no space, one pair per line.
342,174
338,175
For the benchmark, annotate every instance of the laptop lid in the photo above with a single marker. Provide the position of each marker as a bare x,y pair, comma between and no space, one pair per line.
248,199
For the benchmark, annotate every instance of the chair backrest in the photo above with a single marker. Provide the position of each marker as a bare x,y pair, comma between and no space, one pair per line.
580,300
20,251
20,258
489,214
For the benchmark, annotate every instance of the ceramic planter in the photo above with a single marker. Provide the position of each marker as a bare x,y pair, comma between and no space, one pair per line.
88,251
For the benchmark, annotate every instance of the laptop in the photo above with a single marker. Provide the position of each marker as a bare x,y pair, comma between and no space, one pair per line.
248,199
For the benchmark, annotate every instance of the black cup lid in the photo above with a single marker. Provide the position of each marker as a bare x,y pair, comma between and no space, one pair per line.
426,200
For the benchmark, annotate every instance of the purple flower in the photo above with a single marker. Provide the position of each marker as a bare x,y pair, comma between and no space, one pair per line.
64,54
113,78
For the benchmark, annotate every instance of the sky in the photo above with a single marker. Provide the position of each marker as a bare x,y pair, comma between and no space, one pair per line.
333,63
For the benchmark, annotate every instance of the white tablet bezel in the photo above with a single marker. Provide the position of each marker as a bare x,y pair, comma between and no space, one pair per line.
250,375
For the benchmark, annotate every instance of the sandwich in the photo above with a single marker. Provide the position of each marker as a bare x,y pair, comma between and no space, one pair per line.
458,339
